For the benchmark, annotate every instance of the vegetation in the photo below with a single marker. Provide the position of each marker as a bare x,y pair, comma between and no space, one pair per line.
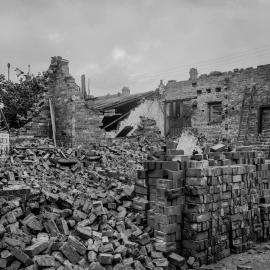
19,98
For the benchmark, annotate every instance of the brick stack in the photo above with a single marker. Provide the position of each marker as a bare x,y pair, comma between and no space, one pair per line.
160,199
205,234
244,214
239,179
263,173
221,213
169,207
226,203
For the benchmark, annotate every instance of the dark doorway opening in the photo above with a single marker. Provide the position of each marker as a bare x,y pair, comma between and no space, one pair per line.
121,113
264,119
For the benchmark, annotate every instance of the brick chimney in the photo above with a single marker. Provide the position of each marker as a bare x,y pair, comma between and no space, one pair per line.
193,74
125,91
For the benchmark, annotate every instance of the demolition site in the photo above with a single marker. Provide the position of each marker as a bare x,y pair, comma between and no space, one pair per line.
173,178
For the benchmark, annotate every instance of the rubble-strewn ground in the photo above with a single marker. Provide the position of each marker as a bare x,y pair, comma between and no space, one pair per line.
79,213
258,258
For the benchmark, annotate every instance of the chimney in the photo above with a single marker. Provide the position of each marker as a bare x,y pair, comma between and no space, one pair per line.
125,91
193,74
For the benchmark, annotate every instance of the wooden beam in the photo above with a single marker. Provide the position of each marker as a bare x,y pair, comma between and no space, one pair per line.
53,122
119,118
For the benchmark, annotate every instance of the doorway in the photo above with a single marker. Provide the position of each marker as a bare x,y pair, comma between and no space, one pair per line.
264,119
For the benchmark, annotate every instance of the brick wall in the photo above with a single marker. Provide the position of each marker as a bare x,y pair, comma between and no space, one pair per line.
76,122
230,86
39,126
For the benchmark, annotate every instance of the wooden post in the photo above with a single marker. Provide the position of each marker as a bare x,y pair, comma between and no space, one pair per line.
83,89
8,66
88,88
53,122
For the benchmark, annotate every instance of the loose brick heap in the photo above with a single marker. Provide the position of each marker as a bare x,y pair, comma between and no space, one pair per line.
79,212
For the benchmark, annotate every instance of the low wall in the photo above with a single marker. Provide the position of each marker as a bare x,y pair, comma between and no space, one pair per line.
206,209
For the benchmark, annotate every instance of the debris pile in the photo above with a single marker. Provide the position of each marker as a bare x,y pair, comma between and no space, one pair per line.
71,209
148,129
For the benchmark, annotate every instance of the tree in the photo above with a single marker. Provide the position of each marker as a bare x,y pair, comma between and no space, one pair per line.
19,98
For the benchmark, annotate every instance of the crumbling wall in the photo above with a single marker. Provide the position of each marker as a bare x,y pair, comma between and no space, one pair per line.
150,108
40,125
228,88
87,124
76,122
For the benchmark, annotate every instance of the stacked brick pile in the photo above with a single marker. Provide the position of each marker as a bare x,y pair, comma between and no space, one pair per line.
226,203
206,223
160,200
223,213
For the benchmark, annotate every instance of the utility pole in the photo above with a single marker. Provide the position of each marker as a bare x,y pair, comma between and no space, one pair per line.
88,87
28,69
83,86
8,66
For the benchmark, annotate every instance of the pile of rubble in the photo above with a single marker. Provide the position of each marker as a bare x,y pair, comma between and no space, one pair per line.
73,209
147,128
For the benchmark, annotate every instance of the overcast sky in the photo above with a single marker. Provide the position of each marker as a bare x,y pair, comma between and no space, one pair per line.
134,42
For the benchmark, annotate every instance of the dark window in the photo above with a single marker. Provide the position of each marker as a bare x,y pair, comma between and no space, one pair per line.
199,92
208,90
215,112
194,84
218,89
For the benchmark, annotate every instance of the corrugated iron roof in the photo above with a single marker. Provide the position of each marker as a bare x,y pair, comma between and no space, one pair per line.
112,102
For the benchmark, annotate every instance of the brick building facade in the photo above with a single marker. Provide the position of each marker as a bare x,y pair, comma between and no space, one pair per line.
220,105
232,105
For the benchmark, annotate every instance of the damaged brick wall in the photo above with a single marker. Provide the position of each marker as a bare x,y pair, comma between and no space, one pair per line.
87,124
76,122
228,88
40,125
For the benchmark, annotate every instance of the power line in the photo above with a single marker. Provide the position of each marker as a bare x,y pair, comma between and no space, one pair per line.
204,63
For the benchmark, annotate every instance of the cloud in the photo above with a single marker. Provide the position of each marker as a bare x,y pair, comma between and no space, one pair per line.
55,37
134,43
118,54
122,58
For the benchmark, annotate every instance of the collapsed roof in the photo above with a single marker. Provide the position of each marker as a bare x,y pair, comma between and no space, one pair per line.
118,107
115,101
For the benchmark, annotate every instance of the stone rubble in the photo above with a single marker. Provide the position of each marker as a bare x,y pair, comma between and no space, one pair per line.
72,209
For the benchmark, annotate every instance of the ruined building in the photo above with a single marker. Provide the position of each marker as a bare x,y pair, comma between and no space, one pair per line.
65,111
230,105
233,105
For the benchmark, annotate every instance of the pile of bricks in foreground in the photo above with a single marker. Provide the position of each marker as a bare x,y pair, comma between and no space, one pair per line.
70,209
205,209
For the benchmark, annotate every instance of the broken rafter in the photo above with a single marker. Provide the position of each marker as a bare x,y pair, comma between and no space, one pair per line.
116,120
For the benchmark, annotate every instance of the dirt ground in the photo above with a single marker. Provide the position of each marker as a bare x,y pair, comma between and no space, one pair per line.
258,258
